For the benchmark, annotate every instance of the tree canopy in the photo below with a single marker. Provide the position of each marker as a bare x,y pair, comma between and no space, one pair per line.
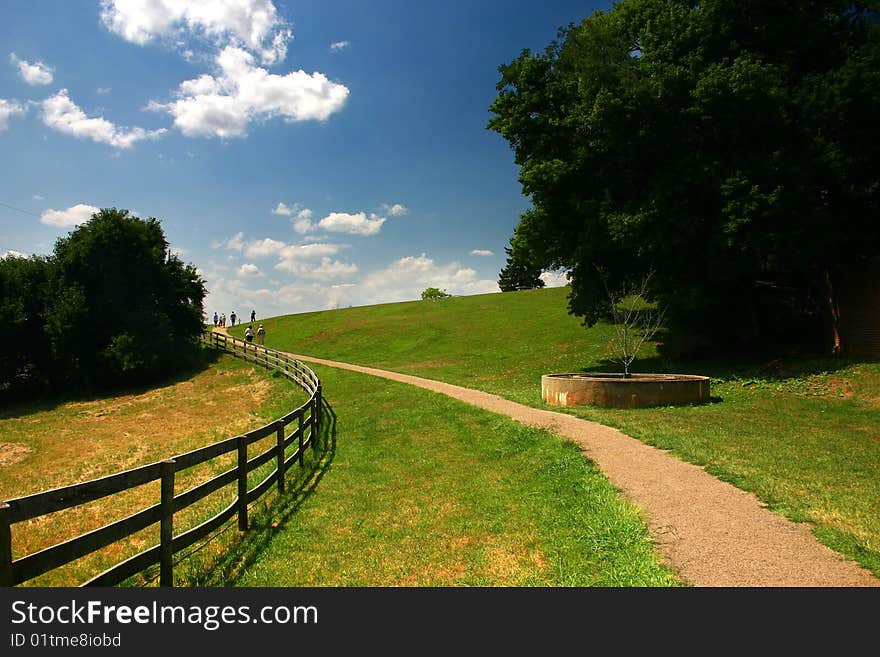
728,146
518,274
111,305
434,294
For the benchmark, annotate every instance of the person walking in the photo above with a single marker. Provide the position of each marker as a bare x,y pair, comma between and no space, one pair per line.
253,316
249,334
261,334
232,317
216,319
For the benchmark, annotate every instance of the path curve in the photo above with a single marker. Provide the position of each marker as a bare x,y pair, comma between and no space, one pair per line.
709,531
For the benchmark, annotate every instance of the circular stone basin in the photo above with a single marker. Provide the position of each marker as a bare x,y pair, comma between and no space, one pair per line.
615,391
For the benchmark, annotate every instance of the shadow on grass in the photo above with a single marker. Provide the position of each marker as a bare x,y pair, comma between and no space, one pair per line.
267,520
14,406
767,368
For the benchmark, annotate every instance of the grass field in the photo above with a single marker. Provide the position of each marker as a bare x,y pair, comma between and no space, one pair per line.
416,489
407,488
802,433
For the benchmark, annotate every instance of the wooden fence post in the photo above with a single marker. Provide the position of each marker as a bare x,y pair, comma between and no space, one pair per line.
5,546
318,397
166,524
301,432
280,458
242,484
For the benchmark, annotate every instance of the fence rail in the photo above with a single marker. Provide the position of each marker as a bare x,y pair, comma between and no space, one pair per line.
306,417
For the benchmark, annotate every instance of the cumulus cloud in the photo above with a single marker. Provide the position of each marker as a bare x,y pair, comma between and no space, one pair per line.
242,92
298,258
282,209
34,74
406,278
251,24
62,114
263,248
339,46
356,224
234,243
72,216
248,269
395,210
481,252
8,109
301,218
329,269
554,278
304,224
11,253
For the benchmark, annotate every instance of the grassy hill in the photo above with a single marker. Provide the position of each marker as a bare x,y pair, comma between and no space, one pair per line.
803,433
497,342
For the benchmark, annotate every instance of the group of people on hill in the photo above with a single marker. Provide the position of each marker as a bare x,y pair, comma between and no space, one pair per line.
220,322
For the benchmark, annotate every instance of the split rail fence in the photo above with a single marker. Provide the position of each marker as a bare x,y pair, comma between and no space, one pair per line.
305,418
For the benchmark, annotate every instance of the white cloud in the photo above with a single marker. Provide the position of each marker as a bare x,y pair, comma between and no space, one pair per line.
8,109
301,218
481,252
395,210
103,90
252,24
263,248
357,224
406,278
248,269
34,74
304,225
555,278
224,106
72,216
234,243
282,209
11,253
296,258
37,197
339,46
62,114
330,269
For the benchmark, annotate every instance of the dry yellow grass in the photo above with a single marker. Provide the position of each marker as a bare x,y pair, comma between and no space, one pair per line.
73,442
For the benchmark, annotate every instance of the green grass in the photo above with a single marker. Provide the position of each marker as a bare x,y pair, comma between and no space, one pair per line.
417,489
802,433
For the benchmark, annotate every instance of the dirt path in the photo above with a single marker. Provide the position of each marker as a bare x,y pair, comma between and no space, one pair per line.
710,532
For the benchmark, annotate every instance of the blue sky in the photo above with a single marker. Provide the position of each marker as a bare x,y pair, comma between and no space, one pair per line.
302,155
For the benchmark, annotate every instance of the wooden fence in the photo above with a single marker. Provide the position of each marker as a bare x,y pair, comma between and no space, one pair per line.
306,417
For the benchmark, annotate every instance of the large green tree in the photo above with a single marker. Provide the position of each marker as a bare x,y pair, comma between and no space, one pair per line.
121,306
728,146
110,306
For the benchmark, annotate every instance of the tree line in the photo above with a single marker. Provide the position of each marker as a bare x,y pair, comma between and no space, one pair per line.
110,306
